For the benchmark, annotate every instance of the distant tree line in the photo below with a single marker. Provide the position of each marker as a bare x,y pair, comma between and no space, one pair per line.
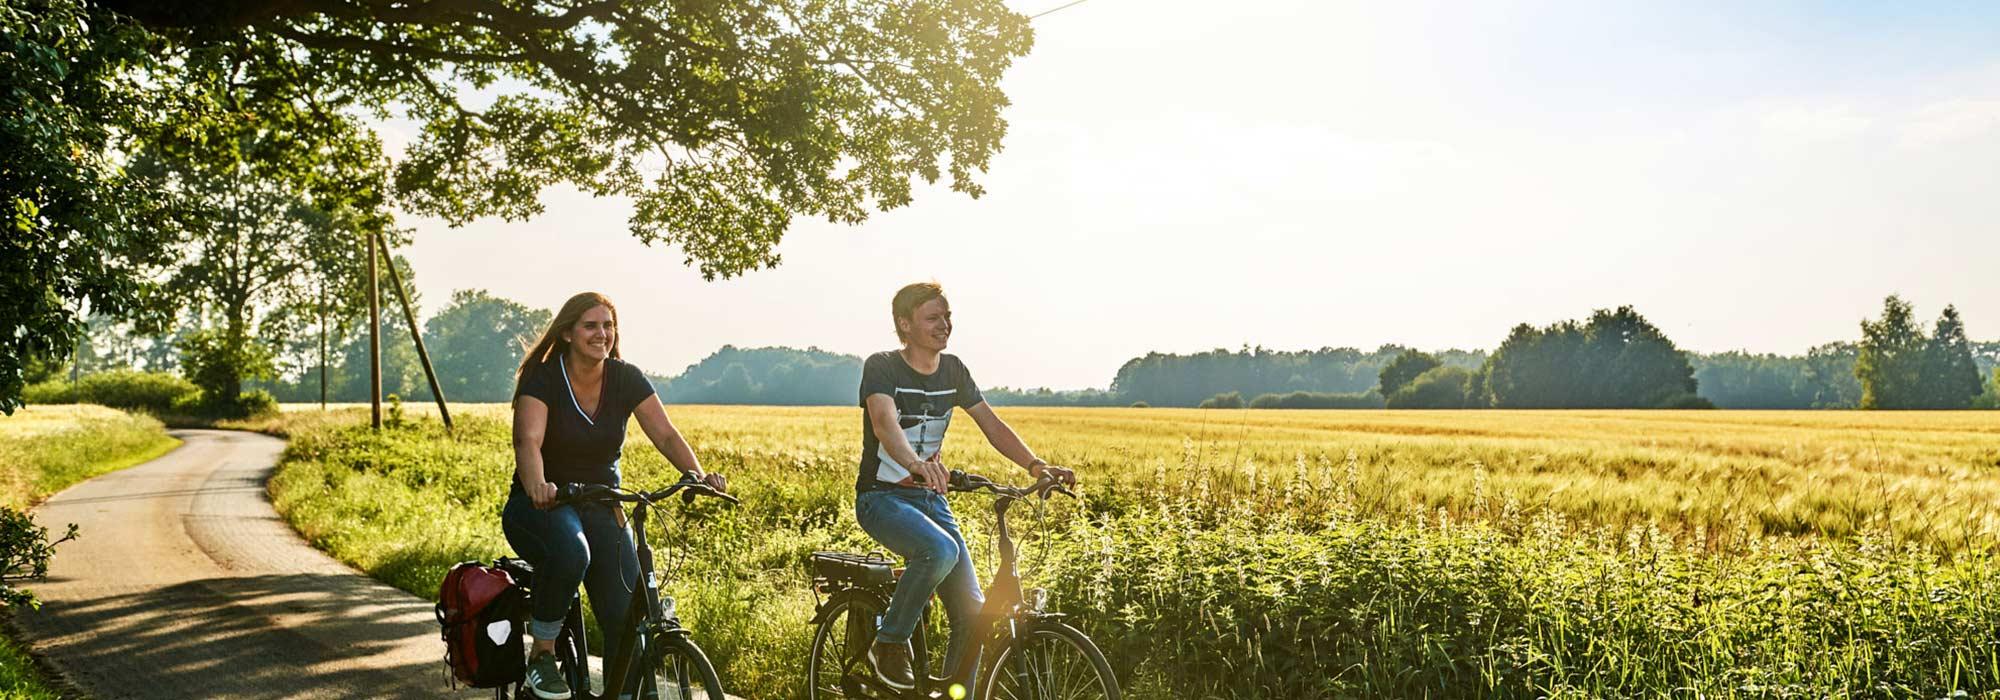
1614,358
768,376
1161,379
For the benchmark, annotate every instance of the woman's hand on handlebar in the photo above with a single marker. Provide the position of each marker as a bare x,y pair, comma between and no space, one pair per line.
542,493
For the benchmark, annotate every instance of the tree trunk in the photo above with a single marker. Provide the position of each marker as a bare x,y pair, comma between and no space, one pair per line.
236,339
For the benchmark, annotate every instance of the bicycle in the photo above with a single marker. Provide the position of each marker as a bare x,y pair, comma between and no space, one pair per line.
1034,653
653,638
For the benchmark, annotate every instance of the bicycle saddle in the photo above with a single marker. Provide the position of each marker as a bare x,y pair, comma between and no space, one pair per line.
521,570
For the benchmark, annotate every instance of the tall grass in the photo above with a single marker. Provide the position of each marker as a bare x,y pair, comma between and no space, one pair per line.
44,449
1322,554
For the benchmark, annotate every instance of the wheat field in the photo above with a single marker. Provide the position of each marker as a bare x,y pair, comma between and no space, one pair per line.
1283,554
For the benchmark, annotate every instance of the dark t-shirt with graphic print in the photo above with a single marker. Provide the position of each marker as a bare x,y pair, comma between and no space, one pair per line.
924,404
577,448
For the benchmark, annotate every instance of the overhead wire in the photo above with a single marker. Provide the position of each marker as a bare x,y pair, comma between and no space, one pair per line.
1058,8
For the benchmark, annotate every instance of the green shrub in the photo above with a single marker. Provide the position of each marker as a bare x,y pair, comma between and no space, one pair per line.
153,392
131,389
1990,399
1685,401
1440,387
1318,399
1141,404
24,554
255,403
50,391
1225,400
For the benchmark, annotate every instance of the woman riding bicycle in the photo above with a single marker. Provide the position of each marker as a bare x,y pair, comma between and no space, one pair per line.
908,396
572,398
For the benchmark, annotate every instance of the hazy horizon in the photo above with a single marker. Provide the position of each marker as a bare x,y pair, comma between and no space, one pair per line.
1305,175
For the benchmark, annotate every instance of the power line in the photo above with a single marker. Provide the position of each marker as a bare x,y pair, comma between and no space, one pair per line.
1058,8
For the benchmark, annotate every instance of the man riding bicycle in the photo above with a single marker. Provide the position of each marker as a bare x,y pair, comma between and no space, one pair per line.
908,396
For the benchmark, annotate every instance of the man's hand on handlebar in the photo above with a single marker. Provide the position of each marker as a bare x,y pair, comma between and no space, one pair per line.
932,475
709,479
1061,476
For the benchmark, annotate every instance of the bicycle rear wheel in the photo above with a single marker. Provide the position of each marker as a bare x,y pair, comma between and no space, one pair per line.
680,672
839,637
1049,661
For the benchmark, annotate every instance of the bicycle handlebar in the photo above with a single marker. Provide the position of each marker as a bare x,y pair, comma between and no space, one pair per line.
571,493
967,482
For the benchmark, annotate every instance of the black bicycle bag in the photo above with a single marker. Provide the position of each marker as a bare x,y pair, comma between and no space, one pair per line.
862,570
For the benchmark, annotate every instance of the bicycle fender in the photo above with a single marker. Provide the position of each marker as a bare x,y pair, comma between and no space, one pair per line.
852,596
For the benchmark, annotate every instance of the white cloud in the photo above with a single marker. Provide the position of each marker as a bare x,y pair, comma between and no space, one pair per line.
1951,121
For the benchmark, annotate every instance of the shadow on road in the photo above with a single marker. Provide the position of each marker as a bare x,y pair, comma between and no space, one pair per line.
271,636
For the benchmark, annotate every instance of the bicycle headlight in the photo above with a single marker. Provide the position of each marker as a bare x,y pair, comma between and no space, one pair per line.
1037,599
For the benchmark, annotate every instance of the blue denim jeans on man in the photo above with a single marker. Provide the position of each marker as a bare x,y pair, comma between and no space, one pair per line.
571,545
918,526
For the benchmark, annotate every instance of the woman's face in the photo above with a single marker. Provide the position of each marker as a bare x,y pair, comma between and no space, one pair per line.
929,327
594,334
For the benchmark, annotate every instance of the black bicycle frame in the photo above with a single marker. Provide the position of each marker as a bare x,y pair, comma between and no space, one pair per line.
645,618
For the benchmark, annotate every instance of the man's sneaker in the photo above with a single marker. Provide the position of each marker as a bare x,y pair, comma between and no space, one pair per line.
892,665
545,680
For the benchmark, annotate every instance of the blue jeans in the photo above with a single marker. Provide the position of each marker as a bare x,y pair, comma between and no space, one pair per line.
918,526
571,545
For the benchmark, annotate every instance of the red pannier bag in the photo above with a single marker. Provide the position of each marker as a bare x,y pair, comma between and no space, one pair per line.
480,608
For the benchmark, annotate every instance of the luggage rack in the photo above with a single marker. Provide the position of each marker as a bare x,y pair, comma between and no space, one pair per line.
833,570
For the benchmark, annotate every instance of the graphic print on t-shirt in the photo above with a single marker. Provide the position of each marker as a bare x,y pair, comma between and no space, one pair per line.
924,416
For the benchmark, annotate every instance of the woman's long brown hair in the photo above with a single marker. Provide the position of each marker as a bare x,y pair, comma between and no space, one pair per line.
552,344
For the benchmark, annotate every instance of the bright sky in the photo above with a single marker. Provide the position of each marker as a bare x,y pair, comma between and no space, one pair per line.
1181,176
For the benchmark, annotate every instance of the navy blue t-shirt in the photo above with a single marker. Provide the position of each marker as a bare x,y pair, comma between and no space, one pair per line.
577,448
924,404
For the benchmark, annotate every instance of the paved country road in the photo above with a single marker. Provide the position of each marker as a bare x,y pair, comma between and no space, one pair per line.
185,583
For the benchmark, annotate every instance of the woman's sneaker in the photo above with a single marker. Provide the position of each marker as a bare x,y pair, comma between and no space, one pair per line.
545,680
892,665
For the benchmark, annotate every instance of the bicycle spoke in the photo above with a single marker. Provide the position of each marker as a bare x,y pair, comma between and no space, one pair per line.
830,663
676,678
1047,666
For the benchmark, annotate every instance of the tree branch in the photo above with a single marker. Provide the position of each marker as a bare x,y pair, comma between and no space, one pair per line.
389,48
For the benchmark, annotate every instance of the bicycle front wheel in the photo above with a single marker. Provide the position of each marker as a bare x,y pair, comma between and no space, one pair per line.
1050,661
681,672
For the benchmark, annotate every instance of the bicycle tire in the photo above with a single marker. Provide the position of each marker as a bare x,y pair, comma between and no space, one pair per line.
1049,655
824,677
680,671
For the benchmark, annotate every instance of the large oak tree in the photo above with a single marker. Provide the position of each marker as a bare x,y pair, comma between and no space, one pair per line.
720,121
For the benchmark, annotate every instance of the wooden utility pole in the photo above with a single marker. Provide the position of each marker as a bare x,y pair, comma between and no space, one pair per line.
410,315
374,340
322,343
